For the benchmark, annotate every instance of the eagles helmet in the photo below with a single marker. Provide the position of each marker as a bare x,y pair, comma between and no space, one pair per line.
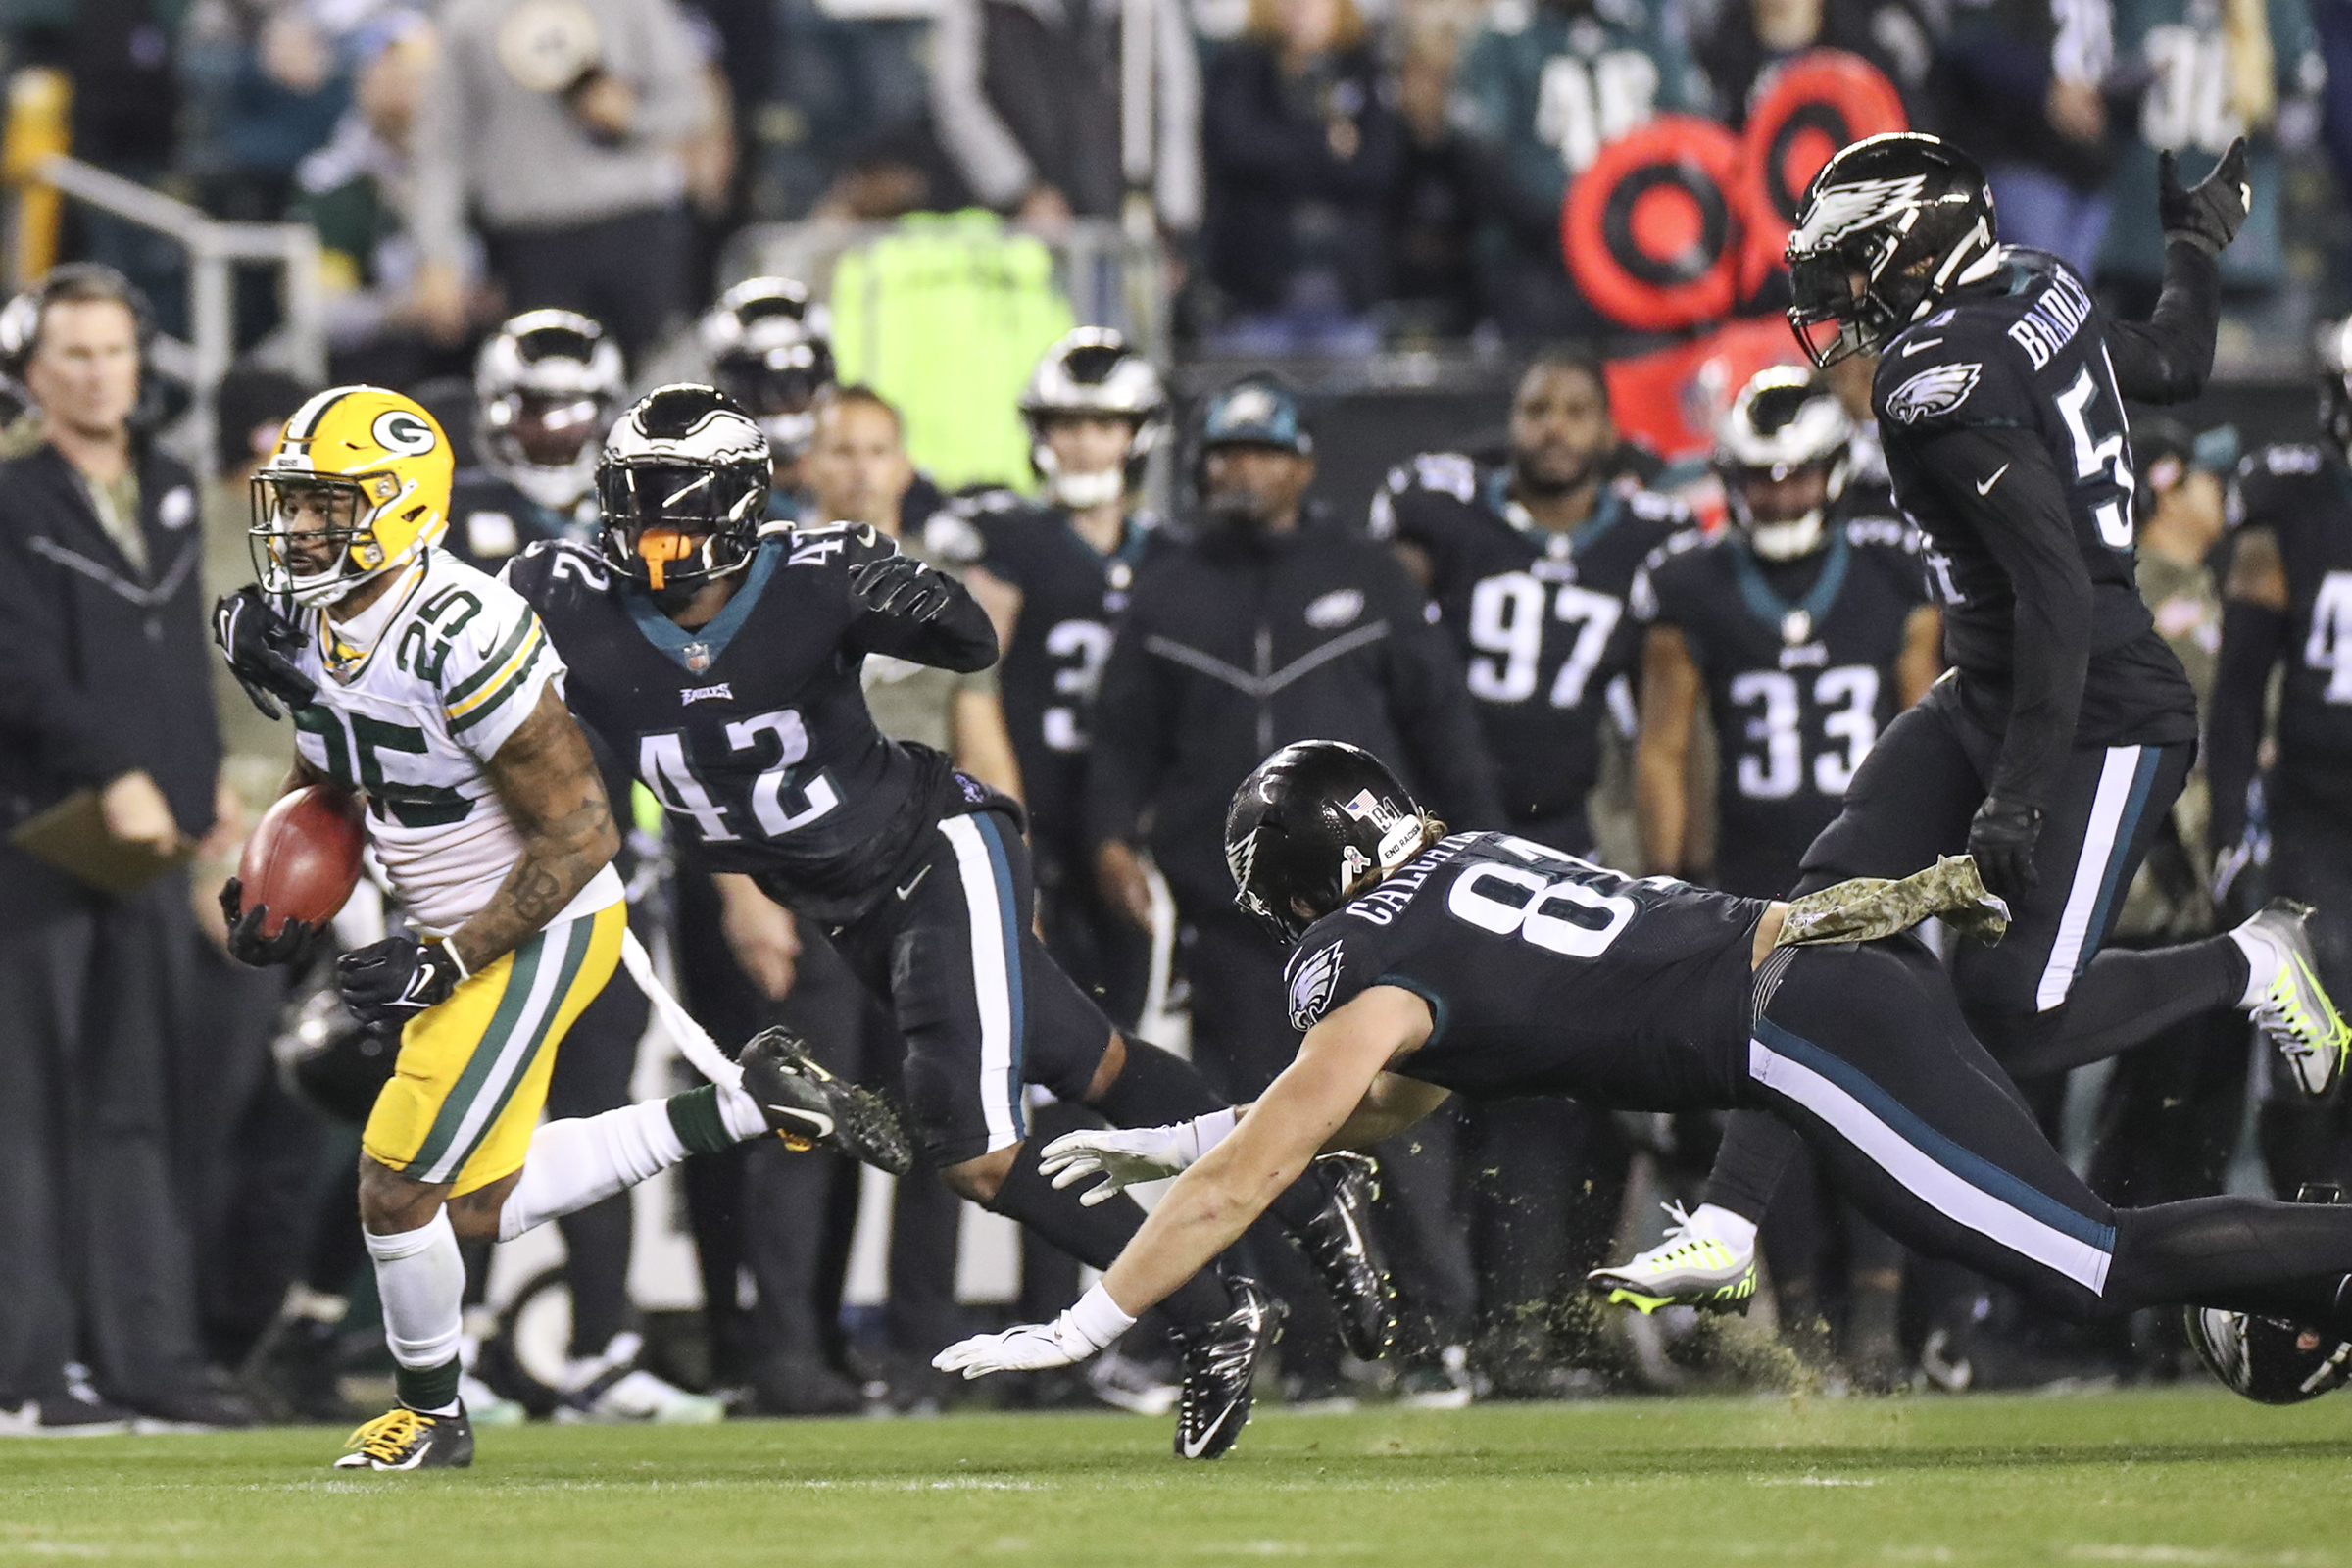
770,349
358,486
1311,827
2336,385
683,482
1093,371
1907,214
328,1056
2267,1360
546,386
1783,423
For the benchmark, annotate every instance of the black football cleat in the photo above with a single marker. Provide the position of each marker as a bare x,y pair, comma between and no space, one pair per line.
808,1105
1220,1363
402,1438
1340,1242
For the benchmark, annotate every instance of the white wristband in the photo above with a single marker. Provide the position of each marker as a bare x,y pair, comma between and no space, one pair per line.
1095,1320
1197,1136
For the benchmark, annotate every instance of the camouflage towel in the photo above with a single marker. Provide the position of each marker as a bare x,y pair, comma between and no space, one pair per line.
1869,908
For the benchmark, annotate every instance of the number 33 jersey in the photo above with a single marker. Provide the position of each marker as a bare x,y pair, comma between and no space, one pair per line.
415,695
1546,975
753,730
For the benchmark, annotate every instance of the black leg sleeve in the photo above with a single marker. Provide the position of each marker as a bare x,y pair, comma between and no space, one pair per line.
2123,998
1757,1151
1094,1236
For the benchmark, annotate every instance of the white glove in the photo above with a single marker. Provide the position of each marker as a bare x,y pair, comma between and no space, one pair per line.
1126,1156
1093,1323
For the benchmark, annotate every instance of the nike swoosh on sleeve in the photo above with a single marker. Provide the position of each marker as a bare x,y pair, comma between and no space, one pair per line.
1915,346
1985,488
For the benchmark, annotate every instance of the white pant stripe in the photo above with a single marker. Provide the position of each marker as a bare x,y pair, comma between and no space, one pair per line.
988,923
1925,1177
513,1052
2115,776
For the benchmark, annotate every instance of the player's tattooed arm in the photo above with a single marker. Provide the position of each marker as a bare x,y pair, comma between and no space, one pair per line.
547,779
1670,694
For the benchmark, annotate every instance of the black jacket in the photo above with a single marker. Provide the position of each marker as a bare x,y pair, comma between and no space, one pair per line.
103,668
1236,644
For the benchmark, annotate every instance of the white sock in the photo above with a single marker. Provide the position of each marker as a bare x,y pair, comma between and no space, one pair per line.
1732,1230
420,1279
741,1112
573,1164
2263,960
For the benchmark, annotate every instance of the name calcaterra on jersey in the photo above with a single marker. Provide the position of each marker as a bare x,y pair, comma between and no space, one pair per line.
414,695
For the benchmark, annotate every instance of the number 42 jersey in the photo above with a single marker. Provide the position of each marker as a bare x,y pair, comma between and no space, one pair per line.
1546,975
753,730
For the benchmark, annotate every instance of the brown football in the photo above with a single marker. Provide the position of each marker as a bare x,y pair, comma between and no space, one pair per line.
303,857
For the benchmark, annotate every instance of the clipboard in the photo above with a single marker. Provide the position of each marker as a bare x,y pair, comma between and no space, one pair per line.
72,836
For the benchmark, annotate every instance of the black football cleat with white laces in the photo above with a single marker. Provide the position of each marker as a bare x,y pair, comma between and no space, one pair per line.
402,1438
1220,1362
807,1106
1340,1242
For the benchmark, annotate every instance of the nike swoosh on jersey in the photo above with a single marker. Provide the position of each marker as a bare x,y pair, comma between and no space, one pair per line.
1912,348
913,882
1984,489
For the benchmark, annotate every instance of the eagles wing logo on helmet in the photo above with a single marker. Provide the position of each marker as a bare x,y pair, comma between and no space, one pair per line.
1837,211
1318,974
1934,391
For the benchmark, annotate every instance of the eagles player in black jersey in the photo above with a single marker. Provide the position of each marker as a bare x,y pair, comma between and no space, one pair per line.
1489,965
1802,627
1054,575
547,385
2288,602
724,659
2055,746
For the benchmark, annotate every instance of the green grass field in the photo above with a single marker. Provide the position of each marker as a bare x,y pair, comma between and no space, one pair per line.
2184,1478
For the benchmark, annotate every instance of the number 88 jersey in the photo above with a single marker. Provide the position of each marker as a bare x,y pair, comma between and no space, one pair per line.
1540,618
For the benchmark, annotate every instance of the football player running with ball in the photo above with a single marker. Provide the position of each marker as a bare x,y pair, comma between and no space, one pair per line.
2054,747
724,659
433,691
1489,965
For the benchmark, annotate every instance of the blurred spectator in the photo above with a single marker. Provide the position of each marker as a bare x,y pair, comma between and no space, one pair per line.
1433,206
557,124
1541,89
2028,84
265,85
105,690
1748,37
2213,71
1027,97
1304,156
359,192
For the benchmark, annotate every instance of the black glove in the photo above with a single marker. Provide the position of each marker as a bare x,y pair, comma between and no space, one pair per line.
259,646
246,944
2001,838
2210,214
394,979
903,588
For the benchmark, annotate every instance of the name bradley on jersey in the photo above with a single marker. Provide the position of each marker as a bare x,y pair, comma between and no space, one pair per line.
2052,320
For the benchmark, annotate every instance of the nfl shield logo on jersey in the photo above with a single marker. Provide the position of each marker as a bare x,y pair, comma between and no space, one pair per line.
697,657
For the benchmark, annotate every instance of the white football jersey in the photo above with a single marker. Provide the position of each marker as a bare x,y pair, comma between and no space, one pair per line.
426,685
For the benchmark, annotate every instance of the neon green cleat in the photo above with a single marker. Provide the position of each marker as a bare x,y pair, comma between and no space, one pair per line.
2296,1013
1686,1269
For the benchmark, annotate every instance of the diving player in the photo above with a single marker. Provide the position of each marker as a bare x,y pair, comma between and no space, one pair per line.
2056,744
433,692
547,385
724,660
1487,964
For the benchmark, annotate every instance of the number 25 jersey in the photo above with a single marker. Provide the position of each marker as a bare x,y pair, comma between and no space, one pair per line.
1546,975
753,730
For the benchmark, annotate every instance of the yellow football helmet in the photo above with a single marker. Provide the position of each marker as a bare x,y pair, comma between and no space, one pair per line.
358,486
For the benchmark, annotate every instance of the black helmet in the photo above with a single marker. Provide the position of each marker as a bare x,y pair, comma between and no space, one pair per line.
2336,385
1314,821
770,349
1093,371
2268,1359
1783,421
685,464
1909,214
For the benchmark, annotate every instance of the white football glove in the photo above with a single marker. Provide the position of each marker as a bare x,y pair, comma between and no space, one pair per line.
1087,1326
1122,1156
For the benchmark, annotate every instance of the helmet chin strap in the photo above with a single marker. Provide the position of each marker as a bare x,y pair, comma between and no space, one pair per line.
1787,541
1083,492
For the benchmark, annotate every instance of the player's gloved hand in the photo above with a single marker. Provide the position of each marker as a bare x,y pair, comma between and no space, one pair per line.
902,588
260,646
1087,1326
2002,838
1125,1156
247,945
2209,214
393,980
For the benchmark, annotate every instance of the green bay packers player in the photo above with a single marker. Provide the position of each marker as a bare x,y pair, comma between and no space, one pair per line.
432,690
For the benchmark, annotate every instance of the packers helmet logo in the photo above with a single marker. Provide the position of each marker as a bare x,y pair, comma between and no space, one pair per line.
400,431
